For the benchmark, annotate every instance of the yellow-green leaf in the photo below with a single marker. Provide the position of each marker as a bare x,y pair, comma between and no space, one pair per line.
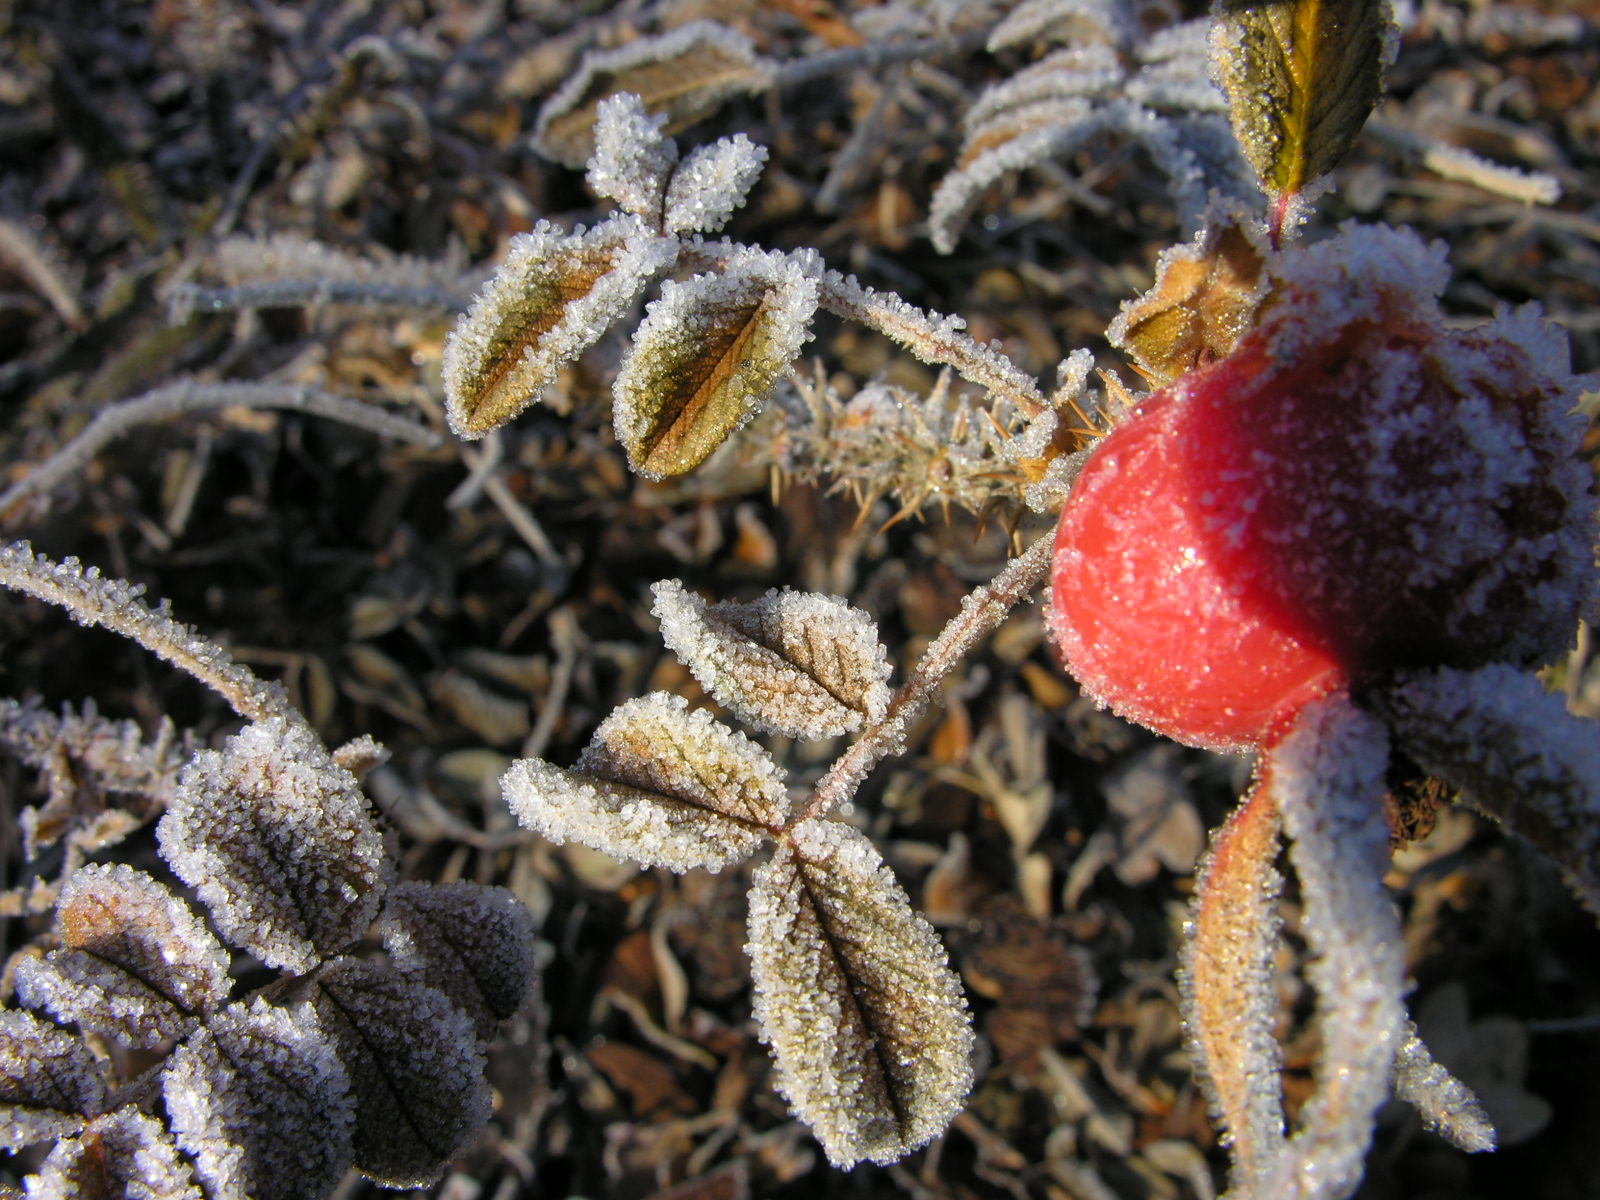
552,298
708,354
683,75
1301,78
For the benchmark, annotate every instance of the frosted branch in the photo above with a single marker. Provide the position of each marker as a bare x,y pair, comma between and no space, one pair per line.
933,338
116,605
981,614
178,399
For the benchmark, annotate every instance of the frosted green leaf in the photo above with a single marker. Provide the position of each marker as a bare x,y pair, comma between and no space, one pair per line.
1301,77
1515,752
279,844
260,1101
50,1082
474,943
416,1073
134,964
682,75
1326,776
797,663
711,182
709,353
658,784
1225,985
552,298
853,992
124,1155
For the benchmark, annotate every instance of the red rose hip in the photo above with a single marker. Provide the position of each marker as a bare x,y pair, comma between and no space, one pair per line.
1354,489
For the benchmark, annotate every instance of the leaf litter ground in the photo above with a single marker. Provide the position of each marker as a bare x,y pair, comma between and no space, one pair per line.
465,624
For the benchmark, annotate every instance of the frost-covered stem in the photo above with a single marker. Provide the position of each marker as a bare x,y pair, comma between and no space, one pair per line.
312,293
187,397
874,55
981,614
931,337
116,605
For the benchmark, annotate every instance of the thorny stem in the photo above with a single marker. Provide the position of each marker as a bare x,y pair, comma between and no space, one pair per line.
981,614
189,396
117,605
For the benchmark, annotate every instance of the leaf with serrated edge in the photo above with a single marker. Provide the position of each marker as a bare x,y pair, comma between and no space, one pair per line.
1301,77
658,784
474,943
711,182
797,663
134,964
124,1155
416,1073
50,1082
1226,987
1203,301
1516,754
552,298
279,843
709,353
260,1101
854,994
1326,775
682,75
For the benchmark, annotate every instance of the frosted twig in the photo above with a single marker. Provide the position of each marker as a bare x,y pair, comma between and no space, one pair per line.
179,398
1463,166
522,520
981,613
933,338
872,56
115,604
310,293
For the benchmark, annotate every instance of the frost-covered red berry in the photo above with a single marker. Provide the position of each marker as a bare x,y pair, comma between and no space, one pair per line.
1354,490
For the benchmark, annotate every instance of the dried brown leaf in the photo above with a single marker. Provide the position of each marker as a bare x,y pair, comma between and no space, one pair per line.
135,964
708,354
683,75
416,1073
1203,301
658,784
854,994
124,1155
797,663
